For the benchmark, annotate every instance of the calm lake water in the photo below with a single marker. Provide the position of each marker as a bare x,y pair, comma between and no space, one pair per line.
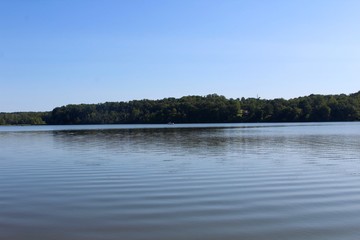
222,181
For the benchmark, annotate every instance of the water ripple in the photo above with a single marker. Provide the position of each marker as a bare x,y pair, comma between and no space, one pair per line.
285,181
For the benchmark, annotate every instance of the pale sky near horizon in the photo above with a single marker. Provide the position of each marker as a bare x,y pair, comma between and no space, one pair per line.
54,53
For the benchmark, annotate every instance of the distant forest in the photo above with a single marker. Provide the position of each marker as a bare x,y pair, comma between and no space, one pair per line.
198,109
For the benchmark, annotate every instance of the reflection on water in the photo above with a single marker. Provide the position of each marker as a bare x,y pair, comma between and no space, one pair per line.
269,181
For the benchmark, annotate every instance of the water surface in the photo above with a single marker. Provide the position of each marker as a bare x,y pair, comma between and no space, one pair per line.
222,181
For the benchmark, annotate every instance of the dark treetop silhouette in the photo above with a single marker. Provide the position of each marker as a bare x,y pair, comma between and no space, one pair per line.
198,109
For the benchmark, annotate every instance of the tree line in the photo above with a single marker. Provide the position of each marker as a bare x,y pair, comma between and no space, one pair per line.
198,109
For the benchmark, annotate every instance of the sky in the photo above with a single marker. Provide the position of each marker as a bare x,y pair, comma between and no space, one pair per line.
54,53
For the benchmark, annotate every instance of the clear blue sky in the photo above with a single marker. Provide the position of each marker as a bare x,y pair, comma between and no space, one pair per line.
53,53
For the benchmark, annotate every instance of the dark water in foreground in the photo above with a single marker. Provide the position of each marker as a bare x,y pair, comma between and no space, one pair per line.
254,181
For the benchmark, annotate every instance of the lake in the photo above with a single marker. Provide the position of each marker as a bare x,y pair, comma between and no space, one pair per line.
182,181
